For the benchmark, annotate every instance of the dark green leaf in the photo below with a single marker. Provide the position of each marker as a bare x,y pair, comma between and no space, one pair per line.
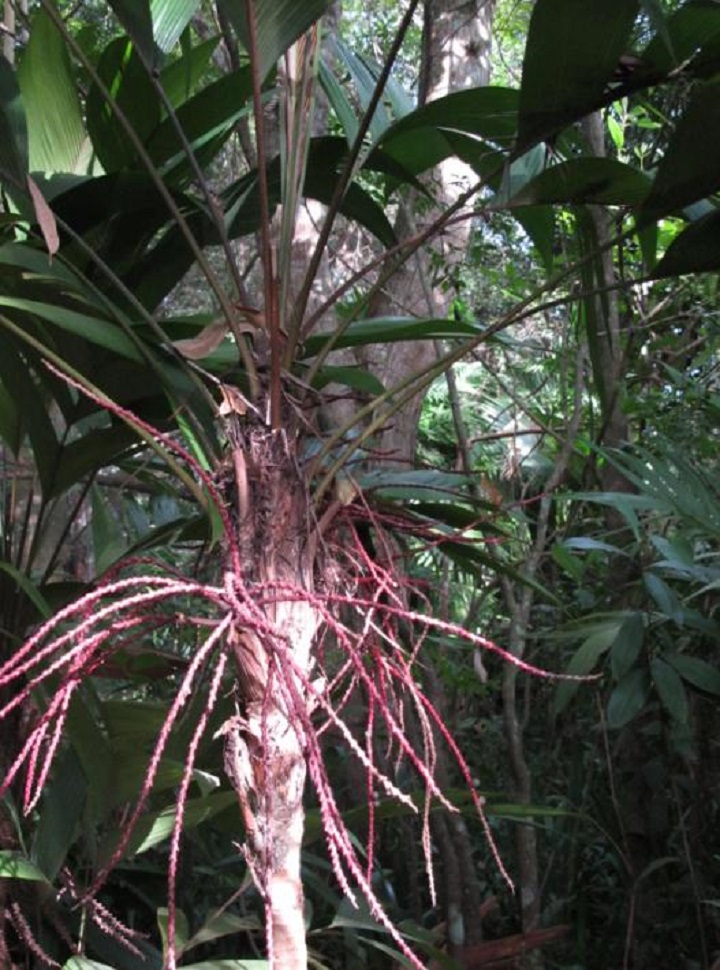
357,377
100,332
665,599
427,135
538,221
602,181
228,965
628,698
181,76
156,827
62,809
627,645
207,121
573,50
93,451
584,662
670,690
695,250
123,74
136,19
699,673
13,129
383,330
689,41
18,380
690,168
28,587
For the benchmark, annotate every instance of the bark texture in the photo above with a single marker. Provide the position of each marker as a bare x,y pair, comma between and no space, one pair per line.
264,750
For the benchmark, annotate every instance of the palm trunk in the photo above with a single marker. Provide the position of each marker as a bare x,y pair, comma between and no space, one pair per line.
264,754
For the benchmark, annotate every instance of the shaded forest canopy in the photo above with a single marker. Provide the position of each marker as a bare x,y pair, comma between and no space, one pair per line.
360,519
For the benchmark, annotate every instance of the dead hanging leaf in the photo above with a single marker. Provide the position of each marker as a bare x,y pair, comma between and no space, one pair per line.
45,218
480,667
346,489
251,315
209,339
233,401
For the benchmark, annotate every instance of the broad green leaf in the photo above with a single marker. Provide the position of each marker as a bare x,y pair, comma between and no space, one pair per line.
207,119
220,925
136,19
24,583
169,20
97,331
690,167
584,661
96,449
601,181
18,380
155,827
384,330
573,565
228,965
538,221
123,74
84,729
690,41
109,542
628,698
279,24
572,52
427,484
83,963
588,544
695,250
13,865
357,377
627,645
696,672
339,102
664,597
670,690
181,76
61,815
520,172
10,427
49,92
427,135
13,129
182,929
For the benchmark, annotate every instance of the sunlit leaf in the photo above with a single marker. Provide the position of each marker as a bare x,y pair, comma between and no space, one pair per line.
279,24
169,20
49,92
13,865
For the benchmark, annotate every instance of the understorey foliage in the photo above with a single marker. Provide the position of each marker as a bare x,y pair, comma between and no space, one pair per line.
214,517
